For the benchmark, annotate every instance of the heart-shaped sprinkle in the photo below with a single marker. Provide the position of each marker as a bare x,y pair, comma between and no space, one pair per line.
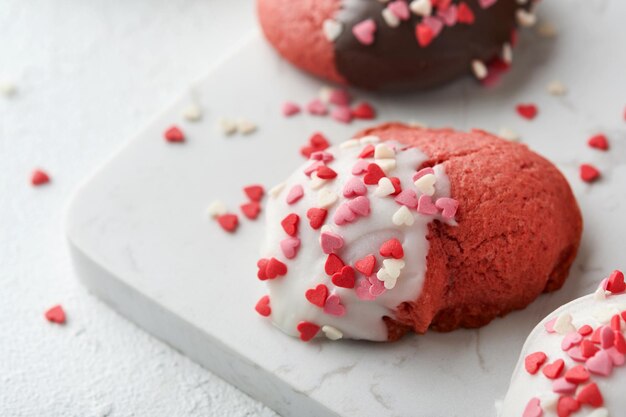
426,184
572,339
479,69
607,337
435,24
344,215
334,307
290,224
387,164
262,265
290,109
585,330
316,182
332,29
599,142
344,278
246,127
620,342
289,247
228,222
275,268
315,107
360,167
322,156
549,326
216,208
385,188
425,205
307,330
578,374
600,364
589,173
354,187
486,3
55,314
342,114
317,296
617,358
364,31
400,9
393,267
363,111
339,97
407,198
533,408
448,206
421,7
465,14
576,354
616,322
317,142
382,151
392,248
330,242
390,18
533,362
591,395
563,324
174,135
326,198
316,217
254,192
373,175
360,206
39,177
567,406
332,333
561,386
333,264
363,290
525,18
616,283
378,286
295,194
588,348
424,34
326,173
275,191
368,151
251,210
388,280
311,169
449,16
403,217
527,111
351,143
366,265
553,370
263,306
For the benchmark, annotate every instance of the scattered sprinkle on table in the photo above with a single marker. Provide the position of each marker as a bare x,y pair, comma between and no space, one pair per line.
546,30
55,314
589,173
556,88
7,89
599,141
192,113
174,135
39,177
527,110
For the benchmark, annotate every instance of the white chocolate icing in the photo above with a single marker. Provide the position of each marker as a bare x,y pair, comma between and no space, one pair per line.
592,310
364,236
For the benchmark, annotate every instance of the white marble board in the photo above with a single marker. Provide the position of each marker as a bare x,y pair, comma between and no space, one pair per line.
141,240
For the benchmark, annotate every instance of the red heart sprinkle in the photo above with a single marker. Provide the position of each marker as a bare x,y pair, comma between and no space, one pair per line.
585,330
56,314
424,34
566,406
290,224
527,111
577,375
589,173
316,217
599,142
373,175
275,268
588,348
465,14
392,249
553,370
395,181
366,265
367,152
318,295
616,323
326,173
534,361
620,342
262,265
39,177
254,192
616,282
307,330
595,337
317,142
333,264
363,111
251,210
590,395
263,306
174,135
344,278
228,221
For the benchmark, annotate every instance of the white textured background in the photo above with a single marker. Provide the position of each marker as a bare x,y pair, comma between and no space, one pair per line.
89,75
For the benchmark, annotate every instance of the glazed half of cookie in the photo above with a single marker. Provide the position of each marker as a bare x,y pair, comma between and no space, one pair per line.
396,44
403,228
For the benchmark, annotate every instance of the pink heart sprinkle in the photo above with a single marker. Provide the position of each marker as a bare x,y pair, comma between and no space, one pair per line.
330,242
333,306
343,215
449,206
295,194
360,167
360,206
312,168
600,363
604,284
322,156
364,31
617,357
425,205
363,290
290,109
342,114
290,247
317,108
339,97
570,340
576,354
562,386
533,408
424,171
549,326
486,3
607,337
434,23
449,15
400,9
354,187
407,197
378,286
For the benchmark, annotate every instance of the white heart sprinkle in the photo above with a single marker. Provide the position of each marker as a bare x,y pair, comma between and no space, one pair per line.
245,127
216,208
332,333
275,191
227,126
599,295
556,88
349,144
599,412
369,139
386,165
390,18
546,30
316,182
403,216
563,324
421,7
192,113
507,53
382,151
525,18
549,401
7,88
426,184
326,198
479,69
325,228
332,29
393,267
508,134
387,279
385,187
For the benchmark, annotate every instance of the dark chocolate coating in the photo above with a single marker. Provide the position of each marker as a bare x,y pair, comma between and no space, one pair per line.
395,61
